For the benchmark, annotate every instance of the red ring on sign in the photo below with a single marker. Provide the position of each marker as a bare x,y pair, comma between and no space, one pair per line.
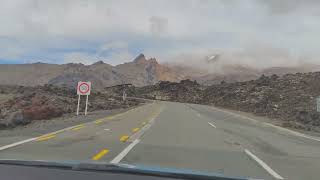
83,92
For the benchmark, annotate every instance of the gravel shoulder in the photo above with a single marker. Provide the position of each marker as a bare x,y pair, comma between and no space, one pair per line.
276,122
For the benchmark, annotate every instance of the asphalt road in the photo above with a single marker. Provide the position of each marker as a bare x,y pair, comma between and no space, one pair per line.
177,135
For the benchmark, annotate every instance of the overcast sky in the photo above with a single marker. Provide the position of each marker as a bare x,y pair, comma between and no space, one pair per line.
259,32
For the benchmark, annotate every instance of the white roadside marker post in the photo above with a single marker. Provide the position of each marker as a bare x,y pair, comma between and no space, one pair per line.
78,104
86,110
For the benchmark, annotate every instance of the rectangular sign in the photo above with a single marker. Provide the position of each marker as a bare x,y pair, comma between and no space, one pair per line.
84,88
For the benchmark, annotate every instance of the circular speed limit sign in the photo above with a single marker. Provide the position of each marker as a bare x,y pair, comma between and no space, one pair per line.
84,88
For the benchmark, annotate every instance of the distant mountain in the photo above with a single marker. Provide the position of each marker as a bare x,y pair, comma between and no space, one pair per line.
237,73
140,72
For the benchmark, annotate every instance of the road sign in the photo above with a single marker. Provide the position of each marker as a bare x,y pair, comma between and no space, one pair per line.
83,88
318,104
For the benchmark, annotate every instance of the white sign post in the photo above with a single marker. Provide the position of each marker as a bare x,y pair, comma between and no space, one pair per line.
318,104
83,88
124,95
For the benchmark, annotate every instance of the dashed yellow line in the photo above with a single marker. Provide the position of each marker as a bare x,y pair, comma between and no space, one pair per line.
78,127
135,130
98,122
100,154
110,117
44,138
124,138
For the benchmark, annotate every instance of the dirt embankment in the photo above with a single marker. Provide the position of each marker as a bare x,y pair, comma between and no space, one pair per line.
20,105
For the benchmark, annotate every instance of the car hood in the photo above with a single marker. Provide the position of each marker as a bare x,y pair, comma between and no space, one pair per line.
123,168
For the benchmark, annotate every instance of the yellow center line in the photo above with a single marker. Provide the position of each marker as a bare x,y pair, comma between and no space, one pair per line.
46,135
135,130
100,154
44,138
111,117
78,127
98,122
124,138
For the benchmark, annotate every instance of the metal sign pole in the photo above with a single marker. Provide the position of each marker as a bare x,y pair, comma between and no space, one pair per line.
318,103
123,96
85,113
78,105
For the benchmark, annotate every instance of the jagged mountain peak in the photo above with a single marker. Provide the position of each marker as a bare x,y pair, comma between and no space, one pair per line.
98,63
140,59
139,72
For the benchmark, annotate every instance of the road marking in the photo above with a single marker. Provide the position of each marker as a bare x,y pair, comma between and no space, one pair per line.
124,138
136,140
263,165
271,125
121,155
293,132
144,128
17,143
144,123
107,129
44,138
98,121
100,154
212,125
33,139
78,128
110,117
135,130
51,133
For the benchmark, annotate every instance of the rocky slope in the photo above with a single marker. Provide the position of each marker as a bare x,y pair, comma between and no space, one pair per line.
290,99
139,72
26,104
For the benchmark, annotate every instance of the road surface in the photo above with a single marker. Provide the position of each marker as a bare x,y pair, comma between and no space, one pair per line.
178,135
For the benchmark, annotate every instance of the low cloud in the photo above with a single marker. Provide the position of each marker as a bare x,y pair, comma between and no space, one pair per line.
80,57
256,32
113,53
158,25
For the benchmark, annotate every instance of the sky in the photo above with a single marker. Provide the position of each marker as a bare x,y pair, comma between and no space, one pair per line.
260,33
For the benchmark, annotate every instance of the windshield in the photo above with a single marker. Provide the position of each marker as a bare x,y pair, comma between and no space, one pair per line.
230,88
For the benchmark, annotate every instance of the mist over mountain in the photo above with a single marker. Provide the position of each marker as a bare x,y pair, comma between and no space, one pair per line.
215,68
139,72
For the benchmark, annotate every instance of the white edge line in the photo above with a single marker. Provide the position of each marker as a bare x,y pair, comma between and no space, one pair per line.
212,125
16,144
144,128
55,132
121,155
263,165
271,125
32,139
139,133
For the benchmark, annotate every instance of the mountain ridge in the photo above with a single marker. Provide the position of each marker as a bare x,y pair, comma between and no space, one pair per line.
139,72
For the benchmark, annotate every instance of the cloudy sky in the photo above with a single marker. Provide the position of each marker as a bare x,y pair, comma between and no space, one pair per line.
260,32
